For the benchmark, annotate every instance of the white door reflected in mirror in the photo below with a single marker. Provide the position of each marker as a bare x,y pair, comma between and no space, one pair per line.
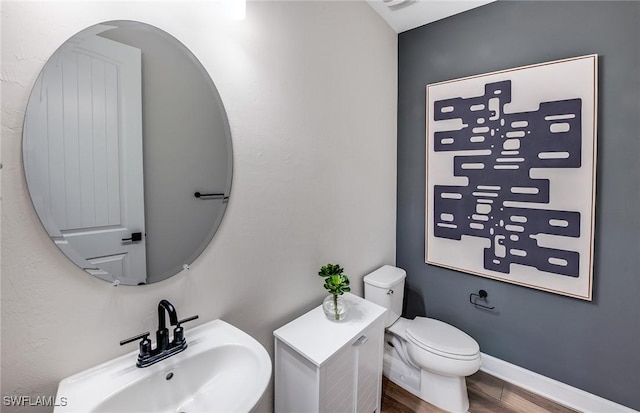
86,122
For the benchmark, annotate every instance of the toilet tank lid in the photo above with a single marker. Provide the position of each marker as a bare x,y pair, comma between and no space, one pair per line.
385,277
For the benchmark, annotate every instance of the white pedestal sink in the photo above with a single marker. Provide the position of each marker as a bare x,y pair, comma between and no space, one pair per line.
222,370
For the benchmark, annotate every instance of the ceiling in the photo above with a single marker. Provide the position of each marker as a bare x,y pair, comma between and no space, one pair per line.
403,15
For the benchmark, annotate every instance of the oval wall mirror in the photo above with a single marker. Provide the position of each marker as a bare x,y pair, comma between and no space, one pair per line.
127,152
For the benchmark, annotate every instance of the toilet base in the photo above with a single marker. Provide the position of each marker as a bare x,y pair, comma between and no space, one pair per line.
401,374
446,392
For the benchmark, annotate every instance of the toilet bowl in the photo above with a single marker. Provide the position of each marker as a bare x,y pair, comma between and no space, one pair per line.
427,357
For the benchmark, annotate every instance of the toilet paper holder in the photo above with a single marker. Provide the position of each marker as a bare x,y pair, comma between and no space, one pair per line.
482,294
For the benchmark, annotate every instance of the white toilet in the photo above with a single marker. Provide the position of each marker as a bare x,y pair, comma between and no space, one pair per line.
425,356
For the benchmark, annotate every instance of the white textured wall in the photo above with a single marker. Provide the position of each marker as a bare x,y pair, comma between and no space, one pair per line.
310,91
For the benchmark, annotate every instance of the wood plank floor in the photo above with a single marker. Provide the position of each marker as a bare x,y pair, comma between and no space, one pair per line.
487,394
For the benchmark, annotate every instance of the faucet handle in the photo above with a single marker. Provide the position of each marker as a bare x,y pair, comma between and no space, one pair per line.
178,332
186,320
143,336
145,345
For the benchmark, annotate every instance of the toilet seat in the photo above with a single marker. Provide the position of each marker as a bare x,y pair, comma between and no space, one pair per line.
442,339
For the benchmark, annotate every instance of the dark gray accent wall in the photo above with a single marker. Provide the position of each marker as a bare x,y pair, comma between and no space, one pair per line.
594,346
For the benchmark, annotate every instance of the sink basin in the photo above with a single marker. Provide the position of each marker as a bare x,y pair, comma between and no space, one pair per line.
222,370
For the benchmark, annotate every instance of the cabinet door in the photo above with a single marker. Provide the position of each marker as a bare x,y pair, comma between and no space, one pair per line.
369,368
340,382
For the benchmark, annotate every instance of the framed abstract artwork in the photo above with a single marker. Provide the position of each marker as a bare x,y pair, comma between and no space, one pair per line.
510,175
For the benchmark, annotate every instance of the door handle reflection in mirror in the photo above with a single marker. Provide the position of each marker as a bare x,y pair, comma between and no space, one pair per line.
209,196
135,236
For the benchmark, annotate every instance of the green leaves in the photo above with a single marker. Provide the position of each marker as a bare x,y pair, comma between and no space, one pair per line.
335,281
330,269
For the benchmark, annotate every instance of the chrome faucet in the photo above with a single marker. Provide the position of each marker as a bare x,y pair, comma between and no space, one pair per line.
164,347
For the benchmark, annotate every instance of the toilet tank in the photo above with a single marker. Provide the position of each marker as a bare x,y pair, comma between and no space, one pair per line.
385,287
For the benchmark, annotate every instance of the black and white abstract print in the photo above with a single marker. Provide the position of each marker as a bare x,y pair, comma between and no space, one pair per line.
515,143
505,162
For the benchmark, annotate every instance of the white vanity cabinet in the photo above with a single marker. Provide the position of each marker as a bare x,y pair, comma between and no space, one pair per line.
327,366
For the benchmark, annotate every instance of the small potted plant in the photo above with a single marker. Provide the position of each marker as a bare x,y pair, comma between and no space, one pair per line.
336,283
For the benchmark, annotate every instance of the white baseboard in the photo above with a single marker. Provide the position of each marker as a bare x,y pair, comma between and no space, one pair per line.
551,389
